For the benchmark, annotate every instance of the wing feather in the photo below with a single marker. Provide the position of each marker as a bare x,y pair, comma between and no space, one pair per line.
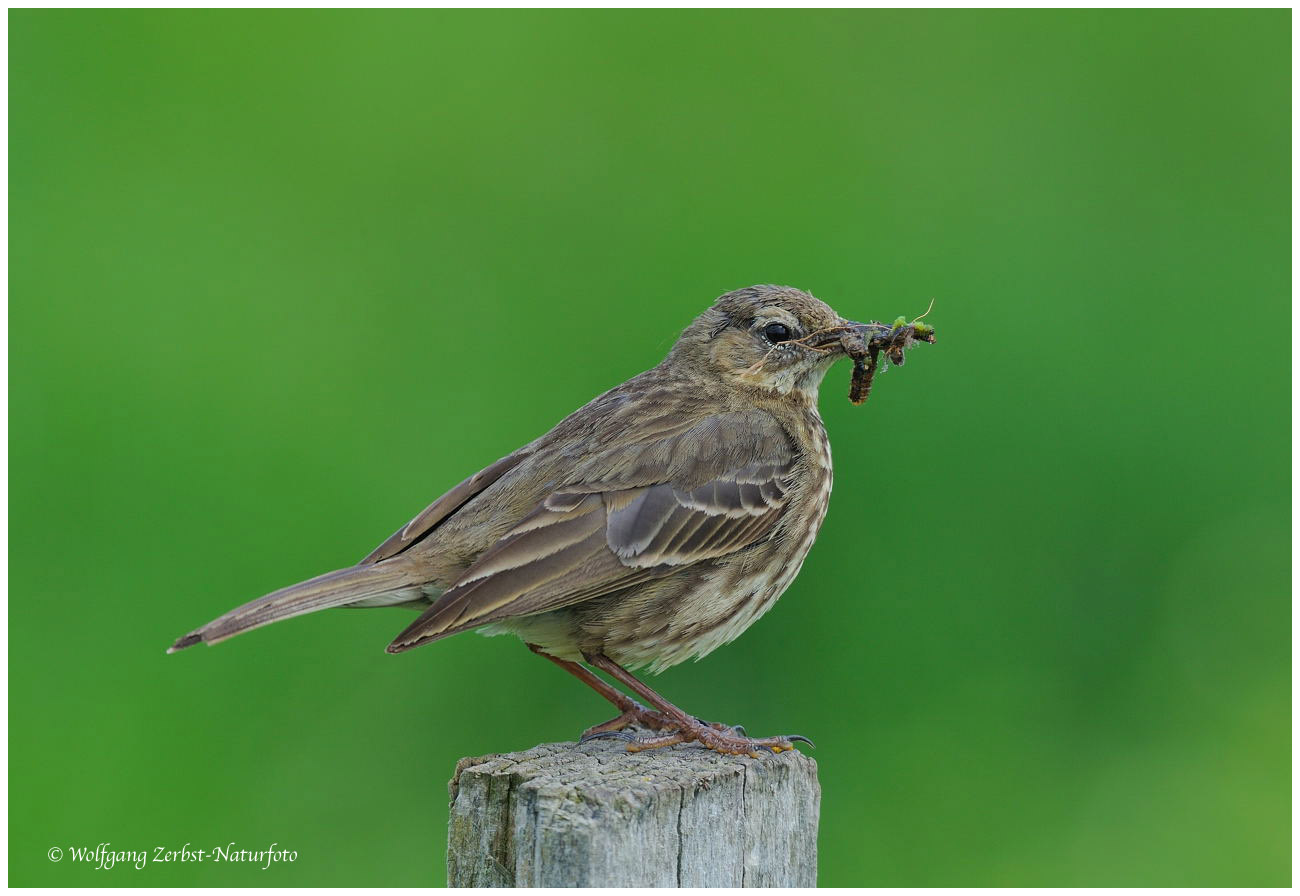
584,542
432,516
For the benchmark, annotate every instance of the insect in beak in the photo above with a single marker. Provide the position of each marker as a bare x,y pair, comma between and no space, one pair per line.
864,343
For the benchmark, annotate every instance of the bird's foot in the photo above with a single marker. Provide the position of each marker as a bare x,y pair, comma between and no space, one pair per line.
721,739
636,714
717,737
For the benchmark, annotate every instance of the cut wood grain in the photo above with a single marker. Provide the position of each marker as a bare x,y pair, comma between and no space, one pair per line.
561,815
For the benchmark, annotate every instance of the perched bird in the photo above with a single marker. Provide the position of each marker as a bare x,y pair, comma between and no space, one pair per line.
651,526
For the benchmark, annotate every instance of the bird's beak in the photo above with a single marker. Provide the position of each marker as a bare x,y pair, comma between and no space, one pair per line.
864,329
845,335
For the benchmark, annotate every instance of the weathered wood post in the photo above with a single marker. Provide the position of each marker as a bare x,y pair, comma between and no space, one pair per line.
561,815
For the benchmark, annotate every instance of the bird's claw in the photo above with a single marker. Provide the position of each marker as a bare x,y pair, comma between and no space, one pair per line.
589,736
733,730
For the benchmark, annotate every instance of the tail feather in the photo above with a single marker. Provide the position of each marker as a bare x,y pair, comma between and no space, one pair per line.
333,589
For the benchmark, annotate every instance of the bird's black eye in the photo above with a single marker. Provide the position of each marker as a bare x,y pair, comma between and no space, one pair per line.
776,332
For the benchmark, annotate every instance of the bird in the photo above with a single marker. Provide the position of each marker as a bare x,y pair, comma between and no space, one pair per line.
651,526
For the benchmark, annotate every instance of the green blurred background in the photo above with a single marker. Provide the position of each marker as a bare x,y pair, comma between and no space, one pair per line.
279,279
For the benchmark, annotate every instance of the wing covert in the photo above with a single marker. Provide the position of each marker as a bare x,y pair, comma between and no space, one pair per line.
582,544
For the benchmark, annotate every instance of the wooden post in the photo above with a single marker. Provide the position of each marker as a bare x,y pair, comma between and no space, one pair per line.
595,815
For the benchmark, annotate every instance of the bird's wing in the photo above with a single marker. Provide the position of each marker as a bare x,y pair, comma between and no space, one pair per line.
433,515
584,541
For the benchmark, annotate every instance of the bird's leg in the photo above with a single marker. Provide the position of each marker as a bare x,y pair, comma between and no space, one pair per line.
630,712
687,727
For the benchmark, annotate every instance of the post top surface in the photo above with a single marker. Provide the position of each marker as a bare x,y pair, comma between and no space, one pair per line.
605,765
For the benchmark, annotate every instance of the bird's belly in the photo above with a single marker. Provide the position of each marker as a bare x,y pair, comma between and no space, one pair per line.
664,623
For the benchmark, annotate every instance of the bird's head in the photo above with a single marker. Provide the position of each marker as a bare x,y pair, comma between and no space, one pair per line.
774,338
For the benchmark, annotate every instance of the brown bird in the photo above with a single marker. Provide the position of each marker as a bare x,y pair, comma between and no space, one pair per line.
651,526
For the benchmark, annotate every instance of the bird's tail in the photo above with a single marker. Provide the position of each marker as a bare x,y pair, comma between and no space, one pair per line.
368,583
